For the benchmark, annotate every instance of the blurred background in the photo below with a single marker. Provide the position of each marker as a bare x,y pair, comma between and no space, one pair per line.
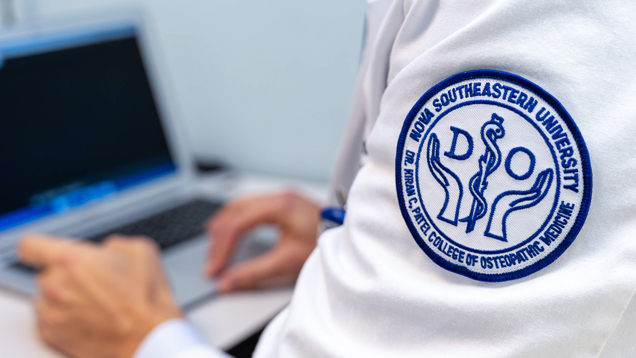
263,86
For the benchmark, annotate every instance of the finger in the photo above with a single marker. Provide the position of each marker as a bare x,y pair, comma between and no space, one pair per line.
150,254
132,256
116,242
131,244
281,264
240,217
43,311
46,333
54,288
52,315
49,335
41,250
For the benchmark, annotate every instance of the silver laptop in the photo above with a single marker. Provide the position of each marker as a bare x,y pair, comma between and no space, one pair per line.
90,146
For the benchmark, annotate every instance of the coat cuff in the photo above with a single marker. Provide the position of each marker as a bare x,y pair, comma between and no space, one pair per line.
176,338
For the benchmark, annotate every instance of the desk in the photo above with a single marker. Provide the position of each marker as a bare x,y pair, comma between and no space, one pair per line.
224,320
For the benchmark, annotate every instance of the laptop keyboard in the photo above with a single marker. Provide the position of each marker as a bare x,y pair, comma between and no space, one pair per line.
170,227
167,228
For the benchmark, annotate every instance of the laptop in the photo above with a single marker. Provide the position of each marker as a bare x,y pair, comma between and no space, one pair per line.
90,145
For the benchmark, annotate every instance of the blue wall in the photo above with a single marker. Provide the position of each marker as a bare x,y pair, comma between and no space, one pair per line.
263,85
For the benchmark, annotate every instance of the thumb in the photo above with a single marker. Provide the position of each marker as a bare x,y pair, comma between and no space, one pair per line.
278,266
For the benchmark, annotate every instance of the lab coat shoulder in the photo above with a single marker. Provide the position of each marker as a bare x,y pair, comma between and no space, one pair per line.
370,290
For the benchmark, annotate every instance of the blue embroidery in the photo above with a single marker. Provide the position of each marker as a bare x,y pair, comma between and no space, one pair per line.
528,173
514,200
409,177
531,220
453,188
488,163
469,139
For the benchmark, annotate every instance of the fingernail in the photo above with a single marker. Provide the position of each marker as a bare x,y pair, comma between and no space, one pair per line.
212,269
207,270
227,285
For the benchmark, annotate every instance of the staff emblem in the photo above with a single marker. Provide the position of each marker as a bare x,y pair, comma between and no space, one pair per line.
488,163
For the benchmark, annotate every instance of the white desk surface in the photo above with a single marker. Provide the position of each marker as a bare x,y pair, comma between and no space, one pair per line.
223,320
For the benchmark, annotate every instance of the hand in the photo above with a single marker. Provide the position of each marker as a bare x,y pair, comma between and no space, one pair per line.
98,301
297,219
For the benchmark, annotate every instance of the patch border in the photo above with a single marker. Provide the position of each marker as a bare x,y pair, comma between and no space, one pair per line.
585,167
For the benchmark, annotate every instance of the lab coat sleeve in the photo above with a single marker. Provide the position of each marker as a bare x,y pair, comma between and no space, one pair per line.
176,339
368,290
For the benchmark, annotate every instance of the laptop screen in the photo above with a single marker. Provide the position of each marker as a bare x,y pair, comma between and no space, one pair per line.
78,123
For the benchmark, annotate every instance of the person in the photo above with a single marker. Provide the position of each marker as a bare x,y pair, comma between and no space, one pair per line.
477,134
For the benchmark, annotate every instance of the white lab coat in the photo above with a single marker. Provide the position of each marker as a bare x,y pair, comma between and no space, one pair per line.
368,290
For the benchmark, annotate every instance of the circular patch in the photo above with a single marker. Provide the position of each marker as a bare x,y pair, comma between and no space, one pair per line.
493,176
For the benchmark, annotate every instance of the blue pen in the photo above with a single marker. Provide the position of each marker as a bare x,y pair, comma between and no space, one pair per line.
333,215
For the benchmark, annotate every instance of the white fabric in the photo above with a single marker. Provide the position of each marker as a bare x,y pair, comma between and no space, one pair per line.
352,148
368,290
176,339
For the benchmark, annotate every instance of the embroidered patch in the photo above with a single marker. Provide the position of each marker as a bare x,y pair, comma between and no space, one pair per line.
493,176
